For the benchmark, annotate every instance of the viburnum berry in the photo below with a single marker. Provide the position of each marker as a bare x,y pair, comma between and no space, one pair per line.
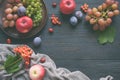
51,30
8,41
54,4
43,59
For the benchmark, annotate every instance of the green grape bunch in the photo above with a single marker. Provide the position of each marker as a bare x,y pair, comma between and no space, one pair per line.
34,10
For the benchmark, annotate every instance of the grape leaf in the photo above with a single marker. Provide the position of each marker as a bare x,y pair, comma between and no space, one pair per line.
11,65
107,36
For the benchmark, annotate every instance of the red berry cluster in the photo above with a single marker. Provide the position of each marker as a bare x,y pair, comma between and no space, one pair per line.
85,7
25,52
55,20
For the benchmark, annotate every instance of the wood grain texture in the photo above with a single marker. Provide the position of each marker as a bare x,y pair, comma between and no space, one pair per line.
76,48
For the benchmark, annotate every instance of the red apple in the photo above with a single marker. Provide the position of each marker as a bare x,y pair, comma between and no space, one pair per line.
67,6
24,24
37,72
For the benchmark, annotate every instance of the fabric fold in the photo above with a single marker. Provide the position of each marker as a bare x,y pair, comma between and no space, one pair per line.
52,72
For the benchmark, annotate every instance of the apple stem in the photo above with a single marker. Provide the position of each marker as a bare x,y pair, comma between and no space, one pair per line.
68,3
24,21
2,67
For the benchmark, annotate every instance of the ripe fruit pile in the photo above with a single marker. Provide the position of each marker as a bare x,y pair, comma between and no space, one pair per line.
101,17
34,10
18,13
11,15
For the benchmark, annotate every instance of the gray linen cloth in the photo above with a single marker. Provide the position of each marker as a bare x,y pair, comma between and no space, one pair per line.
52,72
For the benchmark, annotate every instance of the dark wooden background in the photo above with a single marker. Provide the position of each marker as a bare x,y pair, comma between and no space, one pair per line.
76,48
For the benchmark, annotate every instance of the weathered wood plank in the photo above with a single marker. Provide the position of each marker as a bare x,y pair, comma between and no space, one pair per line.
76,48
93,68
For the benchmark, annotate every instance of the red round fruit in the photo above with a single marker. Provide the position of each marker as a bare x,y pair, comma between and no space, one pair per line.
67,6
50,30
8,41
43,59
54,4
24,24
37,72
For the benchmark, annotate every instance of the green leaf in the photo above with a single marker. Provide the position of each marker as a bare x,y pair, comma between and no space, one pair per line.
11,65
107,36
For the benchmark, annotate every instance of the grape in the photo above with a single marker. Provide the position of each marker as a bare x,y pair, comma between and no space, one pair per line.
20,4
109,20
104,5
10,1
34,10
15,8
12,23
8,10
109,2
101,17
114,6
116,2
5,23
97,14
94,10
92,21
96,27
89,11
100,8
116,12
106,23
101,22
110,14
9,5
32,3
15,16
9,16
87,18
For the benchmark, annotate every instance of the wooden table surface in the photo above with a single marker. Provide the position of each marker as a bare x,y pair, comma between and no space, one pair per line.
76,48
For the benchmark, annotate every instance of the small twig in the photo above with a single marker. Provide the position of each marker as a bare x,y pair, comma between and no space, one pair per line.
2,67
